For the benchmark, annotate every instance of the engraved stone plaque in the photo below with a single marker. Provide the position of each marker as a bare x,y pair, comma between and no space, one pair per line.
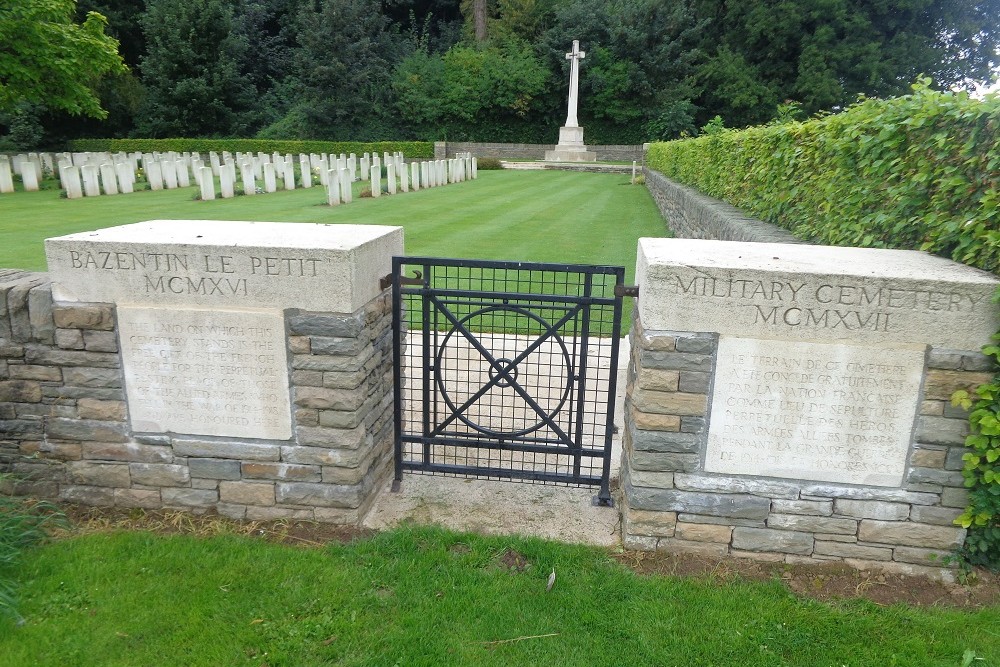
206,371
813,411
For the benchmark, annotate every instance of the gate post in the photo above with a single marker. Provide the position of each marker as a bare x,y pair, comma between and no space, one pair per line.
237,367
791,402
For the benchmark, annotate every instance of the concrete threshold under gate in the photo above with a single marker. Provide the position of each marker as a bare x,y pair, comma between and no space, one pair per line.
503,507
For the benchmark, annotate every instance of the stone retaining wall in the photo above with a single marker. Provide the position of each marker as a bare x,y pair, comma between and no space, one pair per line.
605,153
761,422
65,431
692,215
673,505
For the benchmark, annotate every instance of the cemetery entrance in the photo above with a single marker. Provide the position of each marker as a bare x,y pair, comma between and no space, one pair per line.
506,369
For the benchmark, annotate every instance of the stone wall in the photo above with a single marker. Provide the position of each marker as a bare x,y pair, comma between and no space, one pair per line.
608,153
690,214
67,431
674,505
789,402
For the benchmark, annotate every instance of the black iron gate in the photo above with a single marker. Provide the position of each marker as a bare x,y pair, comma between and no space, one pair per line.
506,369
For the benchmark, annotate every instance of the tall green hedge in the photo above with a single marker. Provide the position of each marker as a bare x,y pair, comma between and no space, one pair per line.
920,172
411,149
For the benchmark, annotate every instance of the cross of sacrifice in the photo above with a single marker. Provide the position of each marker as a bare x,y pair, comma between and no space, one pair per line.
575,56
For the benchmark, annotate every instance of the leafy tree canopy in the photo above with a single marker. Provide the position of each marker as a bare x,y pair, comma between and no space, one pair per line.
46,58
494,70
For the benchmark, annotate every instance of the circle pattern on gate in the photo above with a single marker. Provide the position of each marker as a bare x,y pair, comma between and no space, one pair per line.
492,389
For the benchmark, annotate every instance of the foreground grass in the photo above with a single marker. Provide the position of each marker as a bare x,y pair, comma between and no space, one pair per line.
430,597
544,216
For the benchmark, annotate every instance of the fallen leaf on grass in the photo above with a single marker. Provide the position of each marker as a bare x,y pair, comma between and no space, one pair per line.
552,581
329,640
256,621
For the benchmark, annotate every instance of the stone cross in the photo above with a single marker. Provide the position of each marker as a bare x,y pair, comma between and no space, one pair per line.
575,56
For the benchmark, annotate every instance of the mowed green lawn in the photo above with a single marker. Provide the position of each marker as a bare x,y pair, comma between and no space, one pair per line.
423,596
545,216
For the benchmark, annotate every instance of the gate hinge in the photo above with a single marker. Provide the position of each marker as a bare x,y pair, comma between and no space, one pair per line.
627,290
385,282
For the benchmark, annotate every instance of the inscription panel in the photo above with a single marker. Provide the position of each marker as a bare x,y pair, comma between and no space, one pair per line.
206,372
812,411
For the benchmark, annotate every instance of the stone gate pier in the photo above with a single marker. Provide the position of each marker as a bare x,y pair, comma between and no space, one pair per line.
791,402
243,367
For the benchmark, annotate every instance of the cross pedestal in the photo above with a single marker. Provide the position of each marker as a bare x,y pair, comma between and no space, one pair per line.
571,147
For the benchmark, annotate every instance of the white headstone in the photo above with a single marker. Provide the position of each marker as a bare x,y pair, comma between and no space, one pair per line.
109,180
213,159
6,177
415,175
390,178
29,177
376,181
346,192
154,174
183,177
288,171
324,170
404,178
70,177
306,169
333,188
226,185
270,181
169,170
249,183
91,180
126,177
206,181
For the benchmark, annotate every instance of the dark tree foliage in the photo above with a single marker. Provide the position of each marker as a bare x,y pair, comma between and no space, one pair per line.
264,37
347,50
823,53
193,85
395,69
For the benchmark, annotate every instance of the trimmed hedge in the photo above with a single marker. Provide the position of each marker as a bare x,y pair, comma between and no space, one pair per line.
411,149
920,171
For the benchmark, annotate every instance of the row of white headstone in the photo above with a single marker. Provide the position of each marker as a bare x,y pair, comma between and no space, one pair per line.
92,174
29,167
399,177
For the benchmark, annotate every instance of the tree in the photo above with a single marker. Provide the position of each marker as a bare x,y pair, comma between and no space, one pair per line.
469,93
193,85
824,53
347,49
264,38
46,58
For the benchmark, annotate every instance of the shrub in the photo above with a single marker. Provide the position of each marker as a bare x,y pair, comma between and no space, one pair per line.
488,164
982,472
917,172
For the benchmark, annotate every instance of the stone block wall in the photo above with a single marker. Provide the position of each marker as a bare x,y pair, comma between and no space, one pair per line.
671,504
692,215
65,430
605,153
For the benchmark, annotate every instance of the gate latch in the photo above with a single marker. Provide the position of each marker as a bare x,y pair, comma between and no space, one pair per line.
627,290
385,282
